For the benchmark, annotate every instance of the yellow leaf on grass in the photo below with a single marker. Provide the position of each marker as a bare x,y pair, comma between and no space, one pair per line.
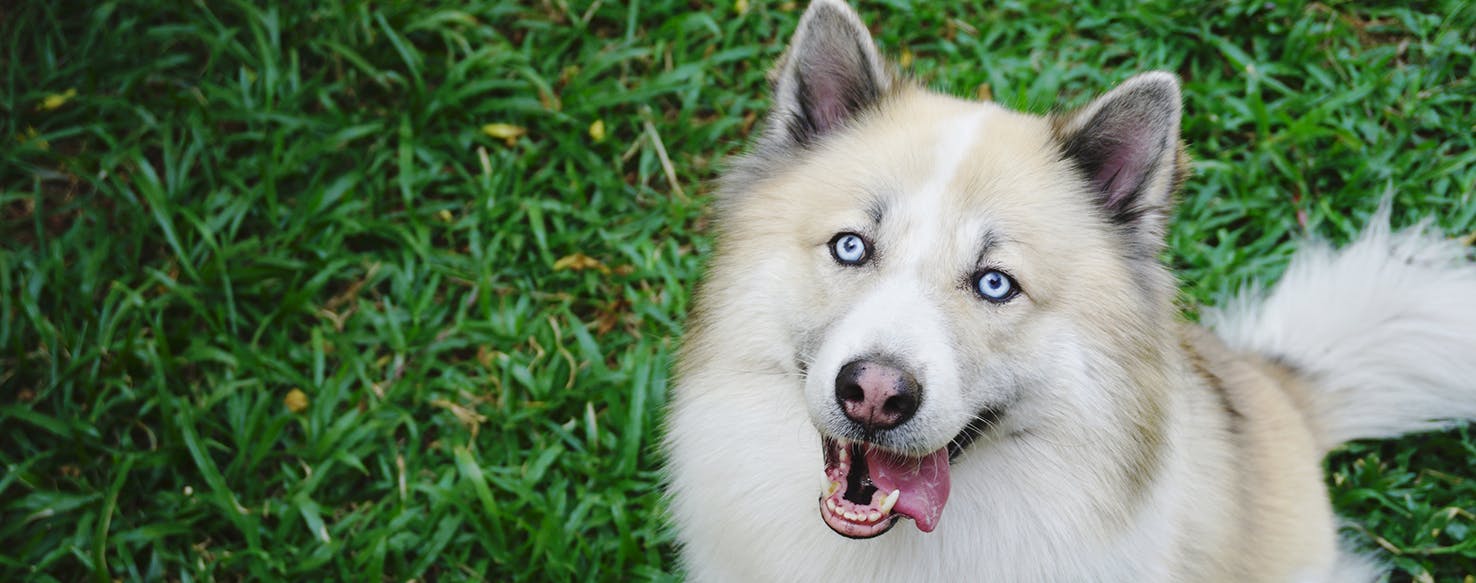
568,73
579,262
56,100
505,131
32,137
906,59
296,400
741,7
597,130
985,92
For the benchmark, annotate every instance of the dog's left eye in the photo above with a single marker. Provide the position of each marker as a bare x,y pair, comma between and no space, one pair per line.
849,249
996,286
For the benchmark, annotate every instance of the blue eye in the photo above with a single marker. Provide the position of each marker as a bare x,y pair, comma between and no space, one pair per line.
849,249
995,285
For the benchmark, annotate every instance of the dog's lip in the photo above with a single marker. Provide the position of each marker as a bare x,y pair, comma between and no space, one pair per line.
854,529
982,423
865,485
849,503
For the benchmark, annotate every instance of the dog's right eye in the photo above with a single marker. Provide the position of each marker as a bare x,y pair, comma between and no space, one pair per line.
850,249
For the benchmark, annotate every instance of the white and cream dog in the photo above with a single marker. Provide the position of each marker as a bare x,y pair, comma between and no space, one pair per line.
955,313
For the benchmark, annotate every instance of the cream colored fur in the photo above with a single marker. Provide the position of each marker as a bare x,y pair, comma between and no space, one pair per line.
1385,325
1133,447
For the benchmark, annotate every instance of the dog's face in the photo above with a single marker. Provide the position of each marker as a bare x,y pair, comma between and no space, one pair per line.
947,273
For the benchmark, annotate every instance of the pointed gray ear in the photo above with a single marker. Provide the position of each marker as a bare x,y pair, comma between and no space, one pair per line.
1126,144
830,73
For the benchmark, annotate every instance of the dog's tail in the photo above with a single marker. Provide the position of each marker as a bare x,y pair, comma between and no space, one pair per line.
1382,331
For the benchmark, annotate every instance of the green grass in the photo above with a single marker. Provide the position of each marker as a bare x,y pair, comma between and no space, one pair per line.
239,201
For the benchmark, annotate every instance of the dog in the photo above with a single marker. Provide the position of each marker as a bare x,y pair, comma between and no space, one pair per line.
955,314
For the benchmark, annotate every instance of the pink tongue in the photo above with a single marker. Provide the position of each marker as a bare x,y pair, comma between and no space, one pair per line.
923,482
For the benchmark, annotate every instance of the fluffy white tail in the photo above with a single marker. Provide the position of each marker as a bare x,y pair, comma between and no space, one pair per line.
1384,330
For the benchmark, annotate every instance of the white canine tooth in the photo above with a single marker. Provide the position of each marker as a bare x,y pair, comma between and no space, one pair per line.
845,454
890,501
830,503
832,488
874,516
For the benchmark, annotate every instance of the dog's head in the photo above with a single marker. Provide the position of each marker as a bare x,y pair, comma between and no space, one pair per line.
948,274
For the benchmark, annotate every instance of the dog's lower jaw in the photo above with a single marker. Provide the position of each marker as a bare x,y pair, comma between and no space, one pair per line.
855,506
848,524
864,488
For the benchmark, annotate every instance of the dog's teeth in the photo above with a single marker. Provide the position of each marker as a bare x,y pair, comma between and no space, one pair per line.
851,516
874,516
832,488
845,454
830,503
890,501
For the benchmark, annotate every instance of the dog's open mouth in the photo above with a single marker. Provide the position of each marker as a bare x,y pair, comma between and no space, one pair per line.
866,488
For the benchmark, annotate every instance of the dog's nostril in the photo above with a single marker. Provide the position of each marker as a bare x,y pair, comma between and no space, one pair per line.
901,405
851,392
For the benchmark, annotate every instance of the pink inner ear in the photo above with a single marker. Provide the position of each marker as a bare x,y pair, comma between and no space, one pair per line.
829,109
832,86
1125,168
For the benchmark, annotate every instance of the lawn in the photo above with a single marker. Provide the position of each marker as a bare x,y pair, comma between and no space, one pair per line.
341,290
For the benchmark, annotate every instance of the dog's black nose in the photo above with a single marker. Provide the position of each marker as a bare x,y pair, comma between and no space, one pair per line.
876,395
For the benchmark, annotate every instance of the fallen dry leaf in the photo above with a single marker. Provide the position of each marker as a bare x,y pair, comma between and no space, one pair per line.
597,131
580,262
56,100
296,400
31,136
506,132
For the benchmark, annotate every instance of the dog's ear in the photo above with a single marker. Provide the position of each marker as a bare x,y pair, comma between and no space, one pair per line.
830,73
1126,144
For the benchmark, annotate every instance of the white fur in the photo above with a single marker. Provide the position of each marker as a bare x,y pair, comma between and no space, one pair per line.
1131,449
926,208
1385,328
1353,567
899,316
1032,512
895,319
